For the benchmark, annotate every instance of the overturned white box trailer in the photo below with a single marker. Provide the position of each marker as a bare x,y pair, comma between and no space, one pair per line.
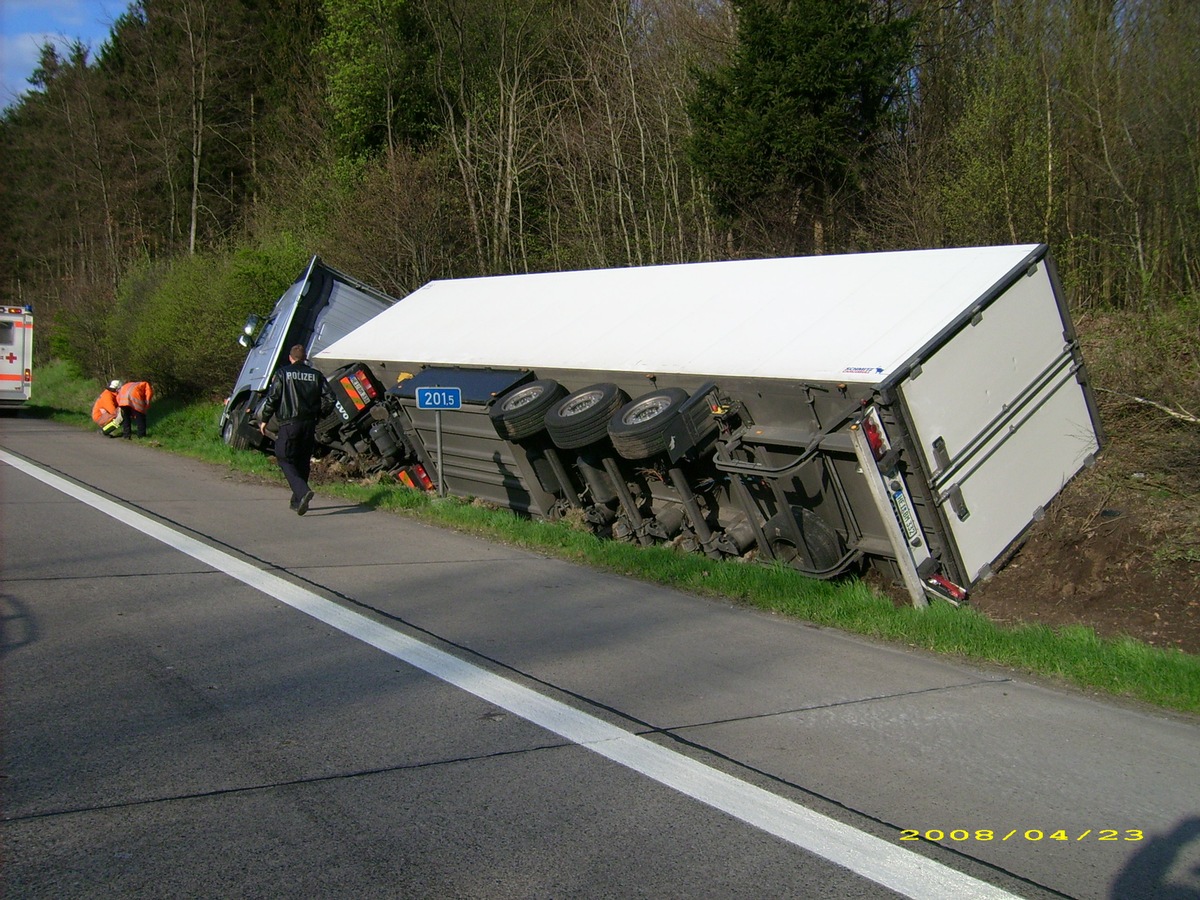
910,410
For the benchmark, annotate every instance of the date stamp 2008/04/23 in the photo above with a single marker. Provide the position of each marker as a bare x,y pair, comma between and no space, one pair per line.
960,835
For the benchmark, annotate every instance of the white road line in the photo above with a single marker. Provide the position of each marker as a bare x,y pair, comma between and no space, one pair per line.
878,860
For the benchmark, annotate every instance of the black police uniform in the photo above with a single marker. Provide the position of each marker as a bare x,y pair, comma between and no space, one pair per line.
298,396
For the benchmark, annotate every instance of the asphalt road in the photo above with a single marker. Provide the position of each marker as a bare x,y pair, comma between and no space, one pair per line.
206,695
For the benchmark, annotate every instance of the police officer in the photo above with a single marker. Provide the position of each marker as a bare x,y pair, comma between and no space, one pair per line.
299,395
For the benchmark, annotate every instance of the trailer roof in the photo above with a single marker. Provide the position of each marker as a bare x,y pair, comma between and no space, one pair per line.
853,318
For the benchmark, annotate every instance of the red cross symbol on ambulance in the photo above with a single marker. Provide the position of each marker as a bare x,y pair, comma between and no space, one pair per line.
12,357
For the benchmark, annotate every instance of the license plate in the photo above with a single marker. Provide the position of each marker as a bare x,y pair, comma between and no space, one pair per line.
904,514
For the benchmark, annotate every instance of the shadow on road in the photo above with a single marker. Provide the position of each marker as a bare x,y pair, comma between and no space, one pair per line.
336,510
1153,872
17,625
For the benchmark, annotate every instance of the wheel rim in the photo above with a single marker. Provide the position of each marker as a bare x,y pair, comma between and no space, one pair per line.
580,403
648,409
522,398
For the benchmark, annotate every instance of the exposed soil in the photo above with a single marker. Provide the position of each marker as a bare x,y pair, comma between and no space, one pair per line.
1119,549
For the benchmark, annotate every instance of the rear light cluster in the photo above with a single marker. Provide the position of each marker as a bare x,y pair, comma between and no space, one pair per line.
874,432
947,589
415,477
359,389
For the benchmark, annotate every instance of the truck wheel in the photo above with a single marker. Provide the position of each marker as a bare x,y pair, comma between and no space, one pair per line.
820,548
521,413
582,417
638,430
232,432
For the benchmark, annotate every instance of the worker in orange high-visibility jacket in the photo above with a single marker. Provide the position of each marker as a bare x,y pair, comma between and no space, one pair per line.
134,400
106,411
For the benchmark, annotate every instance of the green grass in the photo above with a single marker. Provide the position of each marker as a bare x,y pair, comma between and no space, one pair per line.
59,392
1123,667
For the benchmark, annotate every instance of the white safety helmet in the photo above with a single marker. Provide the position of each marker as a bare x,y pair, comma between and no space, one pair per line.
114,385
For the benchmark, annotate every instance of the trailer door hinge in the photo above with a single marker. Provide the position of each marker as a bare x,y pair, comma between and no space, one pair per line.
955,499
941,457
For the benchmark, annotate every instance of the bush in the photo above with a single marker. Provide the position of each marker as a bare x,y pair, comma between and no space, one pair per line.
175,323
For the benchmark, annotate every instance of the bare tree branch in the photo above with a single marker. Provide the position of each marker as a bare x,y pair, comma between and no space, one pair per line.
1182,413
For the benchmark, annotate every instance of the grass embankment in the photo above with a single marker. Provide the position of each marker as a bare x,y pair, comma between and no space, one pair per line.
1123,667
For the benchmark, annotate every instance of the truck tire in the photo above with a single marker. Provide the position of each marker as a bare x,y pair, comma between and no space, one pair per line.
820,549
521,413
582,418
232,432
638,430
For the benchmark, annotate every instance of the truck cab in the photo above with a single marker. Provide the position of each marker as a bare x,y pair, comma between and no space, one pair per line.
319,308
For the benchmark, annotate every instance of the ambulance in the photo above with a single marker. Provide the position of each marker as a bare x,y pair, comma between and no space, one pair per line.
16,355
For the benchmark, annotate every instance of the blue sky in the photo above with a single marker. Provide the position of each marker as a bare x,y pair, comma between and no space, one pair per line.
27,24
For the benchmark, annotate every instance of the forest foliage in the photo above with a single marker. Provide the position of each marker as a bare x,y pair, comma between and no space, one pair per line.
160,187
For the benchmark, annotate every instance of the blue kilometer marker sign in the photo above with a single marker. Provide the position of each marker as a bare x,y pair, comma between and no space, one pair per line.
439,398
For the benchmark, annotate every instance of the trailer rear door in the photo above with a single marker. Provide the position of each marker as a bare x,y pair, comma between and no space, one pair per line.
1001,418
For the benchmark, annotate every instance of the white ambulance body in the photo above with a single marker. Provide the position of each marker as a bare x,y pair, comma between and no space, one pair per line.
16,355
